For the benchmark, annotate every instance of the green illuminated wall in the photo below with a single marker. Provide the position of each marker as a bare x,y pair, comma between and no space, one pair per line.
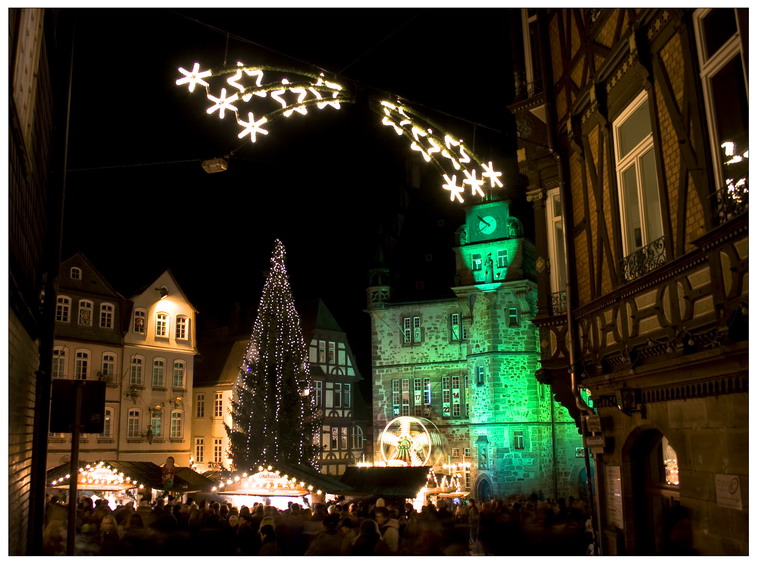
516,437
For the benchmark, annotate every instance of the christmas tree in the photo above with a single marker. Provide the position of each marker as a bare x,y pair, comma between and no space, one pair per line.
273,417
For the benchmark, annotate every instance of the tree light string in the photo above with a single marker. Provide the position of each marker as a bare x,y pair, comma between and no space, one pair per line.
280,97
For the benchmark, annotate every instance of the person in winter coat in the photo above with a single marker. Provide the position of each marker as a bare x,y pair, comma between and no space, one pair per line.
389,528
269,543
329,541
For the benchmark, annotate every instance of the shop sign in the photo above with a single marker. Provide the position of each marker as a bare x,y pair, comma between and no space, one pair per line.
728,491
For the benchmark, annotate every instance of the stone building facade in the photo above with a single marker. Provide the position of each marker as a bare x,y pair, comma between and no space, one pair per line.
634,139
465,366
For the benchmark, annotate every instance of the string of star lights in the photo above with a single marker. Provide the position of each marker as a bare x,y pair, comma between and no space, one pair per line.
258,95
461,168
273,416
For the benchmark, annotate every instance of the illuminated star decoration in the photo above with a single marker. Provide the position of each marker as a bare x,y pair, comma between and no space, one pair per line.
273,92
193,77
448,153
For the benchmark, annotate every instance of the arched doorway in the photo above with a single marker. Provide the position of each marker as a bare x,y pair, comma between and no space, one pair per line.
655,492
484,489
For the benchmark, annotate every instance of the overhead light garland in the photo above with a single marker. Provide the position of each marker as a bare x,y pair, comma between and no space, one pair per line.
461,168
273,91
258,95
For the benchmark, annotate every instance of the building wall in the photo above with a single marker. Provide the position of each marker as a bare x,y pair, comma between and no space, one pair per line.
660,335
23,361
508,427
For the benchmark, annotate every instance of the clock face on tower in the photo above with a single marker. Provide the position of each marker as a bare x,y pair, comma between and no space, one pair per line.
487,224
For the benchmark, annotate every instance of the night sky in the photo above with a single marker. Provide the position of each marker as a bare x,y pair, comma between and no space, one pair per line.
138,201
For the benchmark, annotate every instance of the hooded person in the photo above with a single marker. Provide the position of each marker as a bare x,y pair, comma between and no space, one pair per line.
389,528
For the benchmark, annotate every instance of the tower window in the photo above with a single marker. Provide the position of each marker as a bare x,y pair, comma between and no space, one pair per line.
512,317
476,262
501,258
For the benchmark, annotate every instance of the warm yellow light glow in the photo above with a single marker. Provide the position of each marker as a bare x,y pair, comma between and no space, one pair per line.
193,77
492,175
222,103
474,182
455,189
252,127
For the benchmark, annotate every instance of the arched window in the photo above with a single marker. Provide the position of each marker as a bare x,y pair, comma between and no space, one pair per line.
177,424
156,423
63,310
108,370
81,366
107,424
140,321
159,373
135,370
59,362
106,315
357,437
75,273
161,324
179,368
85,312
134,423
182,327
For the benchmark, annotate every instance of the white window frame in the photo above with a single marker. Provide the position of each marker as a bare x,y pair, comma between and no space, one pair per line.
709,67
140,314
159,372
177,424
107,313
60,360
199,450
108,366
75,273
137,369
156,423
84,306
81,364
107,432
455,327
134,423
182,327
318,393
633,159
178,374
502,258
200,405
161,324
218,405
63,310
357,437
476,262
217,450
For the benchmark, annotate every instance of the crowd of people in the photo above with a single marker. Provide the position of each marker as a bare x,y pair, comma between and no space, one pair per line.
517,525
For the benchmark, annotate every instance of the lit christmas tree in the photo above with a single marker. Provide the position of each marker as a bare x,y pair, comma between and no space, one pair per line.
273,416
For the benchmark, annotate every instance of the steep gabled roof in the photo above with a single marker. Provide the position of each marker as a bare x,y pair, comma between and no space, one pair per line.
94,282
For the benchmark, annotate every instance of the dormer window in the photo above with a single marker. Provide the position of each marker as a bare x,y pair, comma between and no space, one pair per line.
75,273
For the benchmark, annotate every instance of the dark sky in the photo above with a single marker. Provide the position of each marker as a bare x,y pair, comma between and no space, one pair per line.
138,201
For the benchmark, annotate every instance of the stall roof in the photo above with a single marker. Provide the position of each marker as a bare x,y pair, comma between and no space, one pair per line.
144,472
303,473
386,481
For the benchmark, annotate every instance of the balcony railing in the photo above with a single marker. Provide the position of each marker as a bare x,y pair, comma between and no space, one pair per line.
731,201
644,260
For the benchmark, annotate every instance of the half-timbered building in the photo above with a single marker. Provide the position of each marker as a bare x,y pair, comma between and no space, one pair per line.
633,135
